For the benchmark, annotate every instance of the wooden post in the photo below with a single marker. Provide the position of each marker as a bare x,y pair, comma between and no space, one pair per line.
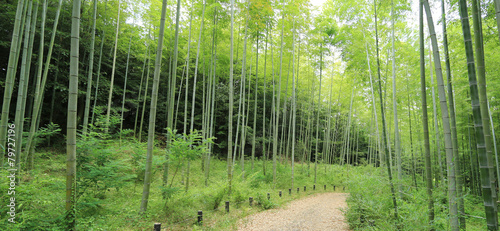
250,199
157,227
324,186
289,191
200,217
314,187
297,190
280,193
227,206
304,188
334,188
268,196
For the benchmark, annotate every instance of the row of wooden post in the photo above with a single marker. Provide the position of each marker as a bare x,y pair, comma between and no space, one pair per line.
157,226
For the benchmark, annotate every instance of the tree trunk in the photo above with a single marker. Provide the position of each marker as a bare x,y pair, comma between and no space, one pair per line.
91,68
99,67
144,98
71,127
170,120
425,123
446,123
38,89
11,74
152,115
108,113
384,134
454,138
146,56
124,90
483,98
317,115
395,109
276,109
23,83
488,189
230,116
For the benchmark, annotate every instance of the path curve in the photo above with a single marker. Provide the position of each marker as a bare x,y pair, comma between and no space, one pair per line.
316,212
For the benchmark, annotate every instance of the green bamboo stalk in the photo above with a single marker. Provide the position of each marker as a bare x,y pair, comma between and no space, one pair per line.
425,121
451,168
10,76
488,190
91,68
152,115
72,126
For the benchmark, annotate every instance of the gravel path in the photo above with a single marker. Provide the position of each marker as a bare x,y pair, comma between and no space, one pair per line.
317,212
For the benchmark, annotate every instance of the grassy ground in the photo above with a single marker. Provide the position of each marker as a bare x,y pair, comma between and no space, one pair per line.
371,207
111,189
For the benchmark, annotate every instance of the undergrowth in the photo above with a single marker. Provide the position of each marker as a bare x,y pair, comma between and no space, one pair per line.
370,205
110,181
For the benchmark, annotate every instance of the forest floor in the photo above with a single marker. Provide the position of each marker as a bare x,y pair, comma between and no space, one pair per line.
317,212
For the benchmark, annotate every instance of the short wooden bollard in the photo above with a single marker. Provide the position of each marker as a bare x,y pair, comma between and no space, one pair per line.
304,188
157,227
227,206
314,187
298,190
250,199
343,188
280,193
200,217
268,196
334,188
289,191
324,186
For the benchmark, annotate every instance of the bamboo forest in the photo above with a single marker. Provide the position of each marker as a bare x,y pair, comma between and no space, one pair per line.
223,114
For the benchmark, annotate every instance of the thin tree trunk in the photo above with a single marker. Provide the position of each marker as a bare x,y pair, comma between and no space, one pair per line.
425,123
255,102
11,74
99,67
23,83
488,190
152,115
71,127
494,139
381,157
483,98
140,88
230,116
91,68
38,89
384,134
395,109
170,120
436,127
187,81
264,79
124,90
454,138
446,124
108,113
277,113
317,115
144,98
294,106
191,126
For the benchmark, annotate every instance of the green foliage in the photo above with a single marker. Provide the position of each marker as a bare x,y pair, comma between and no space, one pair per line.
99,169
44,133
370,204
263,202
